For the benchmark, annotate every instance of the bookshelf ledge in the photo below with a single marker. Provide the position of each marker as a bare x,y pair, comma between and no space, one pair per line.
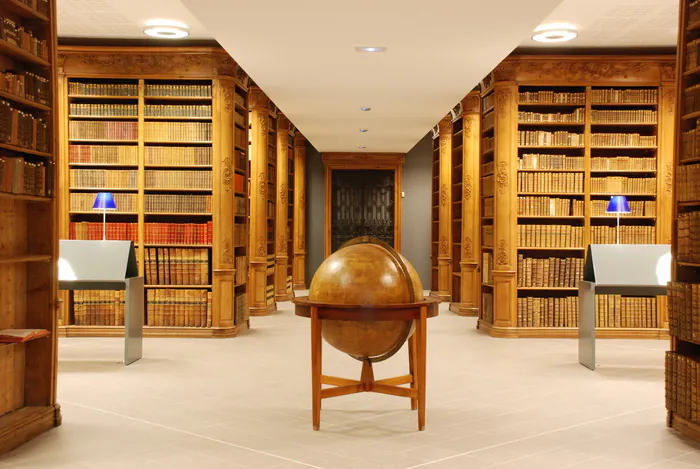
26,258
21,336
21,54
24,101
7,146
30,198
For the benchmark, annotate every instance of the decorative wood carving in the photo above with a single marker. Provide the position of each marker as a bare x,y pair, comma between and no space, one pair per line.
228,98
468,122
504,72
443,194
471,104
226,254
444,246
260,250
468,187
502,254
668,71
456,112
282,246
262,185
302,201
670,98
227,174
468,249
283,193
302,241
502,177
668,179
502,102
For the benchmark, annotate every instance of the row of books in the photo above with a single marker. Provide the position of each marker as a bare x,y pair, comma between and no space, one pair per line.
239,118
683,310
622,140
623,185
240,308
270,294
197,91
640,208
177,203
690,143
240,234
40,6
550,236
693,14
103,130
178,307
540,138
178,233
104,110
241,266
104,154
550,207
691,98
241,205
488,101
688,243
547,312
157,179
99,307
112,231
178,156
486,313
24,38
180,110
623,163
241,158
98,178
26,85
270,209
537,161
239,182
626,311
18,176
549,272
177,266
23,129
550,182
239,99
178,131
682,377
636,116
83,201
487,267
77,88
578,116
487,235
487,207
551,97
688,183
487,144
629,96
628,234
488,121
241,138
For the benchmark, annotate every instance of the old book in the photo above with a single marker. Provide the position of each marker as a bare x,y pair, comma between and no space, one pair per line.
19,336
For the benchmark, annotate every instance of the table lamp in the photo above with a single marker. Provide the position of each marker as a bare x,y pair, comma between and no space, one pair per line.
104,201
618,204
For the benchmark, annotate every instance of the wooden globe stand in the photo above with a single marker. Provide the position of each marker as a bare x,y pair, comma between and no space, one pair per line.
418,312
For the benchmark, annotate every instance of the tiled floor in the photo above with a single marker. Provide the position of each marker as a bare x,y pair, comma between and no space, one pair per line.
245,402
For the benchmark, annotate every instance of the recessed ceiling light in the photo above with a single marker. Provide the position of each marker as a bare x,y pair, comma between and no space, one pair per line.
554,33
362,147
370,49
365,109
166,29
363,130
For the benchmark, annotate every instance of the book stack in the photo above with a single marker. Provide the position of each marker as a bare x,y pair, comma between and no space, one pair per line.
104,154
547,312
239,183
550,236
270,294
690,143
487,144
103,130
637,116
83,201
682,376
535,161
239,119
628,235
270,264
22,129
100,179
550,207
487,207
623,311
240,235
23,38
487,235
688,183
93,231
487,267
178,131
487,122
623,163
239,99
687,243
178,233
487,168
26,85
103,89
178,156
241,266
241,138
99,308
177,266
488,101
683,307
241,159
549,272
634,96
640,208
487,186
104,110
240,308
178,308
181,110
623,185
550,182
622,140
540,138
18,176
178,179
578,116
180,203
185,91
550,97
241,205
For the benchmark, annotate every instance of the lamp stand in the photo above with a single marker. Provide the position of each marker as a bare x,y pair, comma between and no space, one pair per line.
104,224
618,227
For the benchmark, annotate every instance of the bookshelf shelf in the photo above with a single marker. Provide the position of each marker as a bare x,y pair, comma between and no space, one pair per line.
116,118
624,124
550,170
180,166
178,98
177,214
178,142
570,194
24,11
105,189
548,288
25,197
623,171
526,248
193,287
622,148
176,189
101,165
81,212
568,217
552,104
554,147
23,102
688,264
17,53
552,124
26,258
624,104
101,97
161,118
28,151
99,140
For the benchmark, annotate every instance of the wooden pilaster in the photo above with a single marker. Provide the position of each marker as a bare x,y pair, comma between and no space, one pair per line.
445,209
299,260
282,212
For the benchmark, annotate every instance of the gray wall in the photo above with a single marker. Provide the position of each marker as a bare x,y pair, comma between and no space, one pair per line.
415,232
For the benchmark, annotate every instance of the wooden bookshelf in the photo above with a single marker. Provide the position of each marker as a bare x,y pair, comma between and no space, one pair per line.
441,238
284,197
162,137
299,261
682,359
28,241
560,139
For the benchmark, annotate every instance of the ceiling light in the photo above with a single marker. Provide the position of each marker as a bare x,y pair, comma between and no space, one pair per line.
365,109
166,29
363,130
554,33
362,147
370,49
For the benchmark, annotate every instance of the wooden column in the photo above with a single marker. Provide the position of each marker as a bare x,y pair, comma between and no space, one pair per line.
223,280
505,206
664,178
471,195
257,275
299,260
282,213
445,222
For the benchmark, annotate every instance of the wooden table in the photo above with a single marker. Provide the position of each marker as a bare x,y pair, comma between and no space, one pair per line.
418,312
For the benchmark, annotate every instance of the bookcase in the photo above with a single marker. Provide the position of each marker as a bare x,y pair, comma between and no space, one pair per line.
285,209
299,222
164,130
28,242
441,234
560,135
684,325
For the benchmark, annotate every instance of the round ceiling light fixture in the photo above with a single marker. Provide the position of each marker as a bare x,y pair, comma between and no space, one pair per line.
363,130
166,29
365,109
362,147
370,49
560,32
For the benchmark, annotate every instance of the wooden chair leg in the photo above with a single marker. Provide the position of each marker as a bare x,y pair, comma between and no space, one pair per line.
421,346
316,368
412,367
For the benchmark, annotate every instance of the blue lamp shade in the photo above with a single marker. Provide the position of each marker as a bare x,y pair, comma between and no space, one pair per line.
104,201
618,204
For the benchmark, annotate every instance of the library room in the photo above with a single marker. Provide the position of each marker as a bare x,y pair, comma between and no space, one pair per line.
349,235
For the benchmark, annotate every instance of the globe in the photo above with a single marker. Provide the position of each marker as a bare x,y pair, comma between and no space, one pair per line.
366,272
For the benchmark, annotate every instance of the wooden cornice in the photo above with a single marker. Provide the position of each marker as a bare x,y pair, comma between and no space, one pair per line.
352,160
299,139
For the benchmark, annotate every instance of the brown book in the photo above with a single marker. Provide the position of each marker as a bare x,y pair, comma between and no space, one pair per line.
19,336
